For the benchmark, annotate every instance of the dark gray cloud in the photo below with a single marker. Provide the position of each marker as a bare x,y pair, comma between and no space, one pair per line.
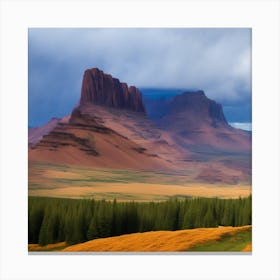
215,60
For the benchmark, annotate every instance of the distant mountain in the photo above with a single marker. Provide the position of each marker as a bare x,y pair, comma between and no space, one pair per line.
234,112
197,121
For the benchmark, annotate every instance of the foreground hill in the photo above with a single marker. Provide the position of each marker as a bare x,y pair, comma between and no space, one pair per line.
201,239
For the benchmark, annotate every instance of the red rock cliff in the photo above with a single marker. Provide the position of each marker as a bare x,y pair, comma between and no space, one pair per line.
102,89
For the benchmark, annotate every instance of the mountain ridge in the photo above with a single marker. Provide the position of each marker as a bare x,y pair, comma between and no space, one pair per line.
110,128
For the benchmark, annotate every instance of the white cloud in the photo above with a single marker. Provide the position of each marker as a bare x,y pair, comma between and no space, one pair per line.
244,126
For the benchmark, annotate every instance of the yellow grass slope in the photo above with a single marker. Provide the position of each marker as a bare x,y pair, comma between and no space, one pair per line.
157,241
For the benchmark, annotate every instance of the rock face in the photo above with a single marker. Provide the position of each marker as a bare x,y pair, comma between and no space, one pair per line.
99,88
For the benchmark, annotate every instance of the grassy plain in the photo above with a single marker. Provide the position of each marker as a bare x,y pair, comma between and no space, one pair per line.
79,182
237,242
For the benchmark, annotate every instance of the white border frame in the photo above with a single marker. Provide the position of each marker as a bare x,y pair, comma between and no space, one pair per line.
17,16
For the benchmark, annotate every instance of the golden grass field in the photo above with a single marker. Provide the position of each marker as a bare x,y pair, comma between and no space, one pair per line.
157,241
49,247
124,185
202,239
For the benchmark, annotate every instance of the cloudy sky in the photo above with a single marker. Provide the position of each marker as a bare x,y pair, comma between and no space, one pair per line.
215,60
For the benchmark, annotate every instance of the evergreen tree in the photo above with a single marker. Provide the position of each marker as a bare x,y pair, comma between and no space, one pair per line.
52,220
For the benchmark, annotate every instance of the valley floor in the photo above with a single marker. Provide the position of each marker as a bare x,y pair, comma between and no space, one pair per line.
125,185
221,239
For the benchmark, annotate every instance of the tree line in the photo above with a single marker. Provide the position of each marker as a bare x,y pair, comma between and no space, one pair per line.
52,220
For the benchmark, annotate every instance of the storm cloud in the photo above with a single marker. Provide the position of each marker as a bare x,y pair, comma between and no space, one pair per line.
215,60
